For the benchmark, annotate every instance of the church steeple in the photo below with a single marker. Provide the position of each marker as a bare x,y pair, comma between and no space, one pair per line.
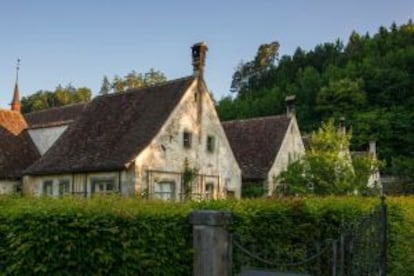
15,104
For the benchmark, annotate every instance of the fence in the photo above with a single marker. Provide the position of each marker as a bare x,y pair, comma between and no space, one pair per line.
360,249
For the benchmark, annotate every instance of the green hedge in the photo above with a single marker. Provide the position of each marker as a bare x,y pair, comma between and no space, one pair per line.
124,236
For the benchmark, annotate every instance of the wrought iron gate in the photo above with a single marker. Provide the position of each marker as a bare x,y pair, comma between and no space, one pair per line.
359,250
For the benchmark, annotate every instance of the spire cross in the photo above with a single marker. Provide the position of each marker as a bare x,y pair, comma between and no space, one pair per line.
17,69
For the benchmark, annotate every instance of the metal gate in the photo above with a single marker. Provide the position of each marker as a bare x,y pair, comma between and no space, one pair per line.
358,250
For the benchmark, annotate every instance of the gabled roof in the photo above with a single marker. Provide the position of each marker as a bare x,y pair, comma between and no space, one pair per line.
56,116
17,150
112,130
256,143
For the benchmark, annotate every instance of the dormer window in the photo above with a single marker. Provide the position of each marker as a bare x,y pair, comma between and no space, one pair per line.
187,139
210,143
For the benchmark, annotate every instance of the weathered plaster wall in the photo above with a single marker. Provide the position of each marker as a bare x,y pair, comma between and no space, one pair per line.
166,152
8,186
292,149
45,137
80,183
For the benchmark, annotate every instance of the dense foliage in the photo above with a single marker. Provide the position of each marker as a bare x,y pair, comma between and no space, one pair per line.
370,80
126,236
327,168
69,94
61,96
132,80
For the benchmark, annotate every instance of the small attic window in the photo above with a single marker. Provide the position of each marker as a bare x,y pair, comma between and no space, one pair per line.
210,143
187,137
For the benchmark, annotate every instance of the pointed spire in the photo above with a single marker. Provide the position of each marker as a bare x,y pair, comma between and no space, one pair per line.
15,104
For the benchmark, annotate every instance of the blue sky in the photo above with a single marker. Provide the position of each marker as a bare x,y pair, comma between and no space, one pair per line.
79,41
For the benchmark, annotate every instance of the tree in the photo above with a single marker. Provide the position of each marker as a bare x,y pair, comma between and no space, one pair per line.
247,72
343,96
59,97
327,167
106,86
137,80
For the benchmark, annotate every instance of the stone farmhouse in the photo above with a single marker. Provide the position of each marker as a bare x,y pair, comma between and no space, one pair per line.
136,143
265,146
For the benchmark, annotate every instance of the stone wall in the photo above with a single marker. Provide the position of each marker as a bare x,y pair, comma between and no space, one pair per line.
292,149
195,114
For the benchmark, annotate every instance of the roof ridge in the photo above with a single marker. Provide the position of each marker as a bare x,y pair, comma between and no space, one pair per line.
133,90
255,118
56,107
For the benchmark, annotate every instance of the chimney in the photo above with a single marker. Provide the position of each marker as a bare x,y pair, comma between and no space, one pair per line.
342,125
290,105
15,104
198,53
373,149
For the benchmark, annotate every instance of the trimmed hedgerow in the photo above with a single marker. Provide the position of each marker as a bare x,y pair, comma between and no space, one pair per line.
103,236
126,236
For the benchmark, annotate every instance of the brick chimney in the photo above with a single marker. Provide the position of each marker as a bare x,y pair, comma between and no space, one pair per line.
198,53
290,101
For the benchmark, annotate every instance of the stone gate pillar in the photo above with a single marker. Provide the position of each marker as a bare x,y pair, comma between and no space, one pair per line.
211,242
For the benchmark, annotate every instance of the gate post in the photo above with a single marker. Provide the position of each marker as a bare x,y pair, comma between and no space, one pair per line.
211,242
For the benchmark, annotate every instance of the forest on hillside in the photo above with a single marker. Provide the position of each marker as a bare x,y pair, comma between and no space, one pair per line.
369,80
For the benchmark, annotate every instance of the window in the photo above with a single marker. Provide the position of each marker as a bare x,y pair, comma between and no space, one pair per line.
103,185
209,190
164,190
210,143
64,188
187,139
48,188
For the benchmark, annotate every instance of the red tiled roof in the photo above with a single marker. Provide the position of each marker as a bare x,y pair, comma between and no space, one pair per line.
112,130
17,150
56,116
256,142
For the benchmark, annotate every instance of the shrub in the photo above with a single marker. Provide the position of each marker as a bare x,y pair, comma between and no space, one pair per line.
126,236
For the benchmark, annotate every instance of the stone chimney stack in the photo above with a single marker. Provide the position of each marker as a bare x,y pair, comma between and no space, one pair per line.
373,149
290,105
198,53
342,125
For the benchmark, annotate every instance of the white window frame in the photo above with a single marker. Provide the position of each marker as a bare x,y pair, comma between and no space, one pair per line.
66,191
105,182
47,188
162,193
209,190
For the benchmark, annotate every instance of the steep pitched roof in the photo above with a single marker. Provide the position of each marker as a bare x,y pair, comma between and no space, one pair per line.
54,116
112,130
256,142
17,151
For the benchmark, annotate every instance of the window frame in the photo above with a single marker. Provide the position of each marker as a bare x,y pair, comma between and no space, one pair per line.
45,187
103,181
65,182
160,194
187,139
209,193
211,143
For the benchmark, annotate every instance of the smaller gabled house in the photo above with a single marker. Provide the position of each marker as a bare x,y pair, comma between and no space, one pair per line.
17,150
143,142
265,146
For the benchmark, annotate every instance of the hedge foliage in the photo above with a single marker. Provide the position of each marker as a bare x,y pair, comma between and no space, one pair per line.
126,236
